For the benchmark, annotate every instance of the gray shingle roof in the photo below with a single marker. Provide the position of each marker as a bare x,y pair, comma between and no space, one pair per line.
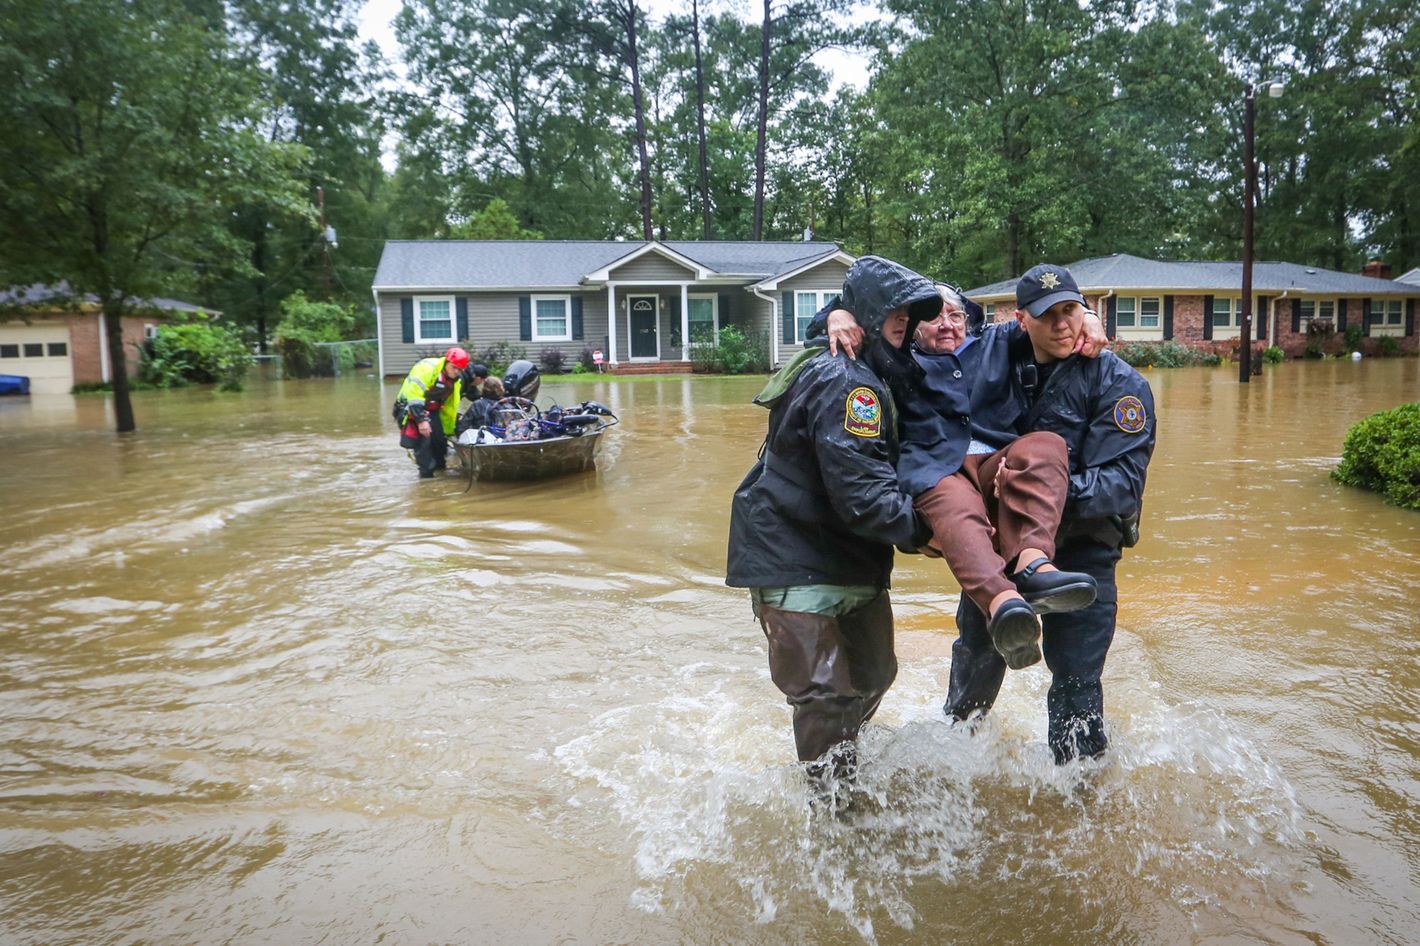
60,292
1122,272
486,264
1412,277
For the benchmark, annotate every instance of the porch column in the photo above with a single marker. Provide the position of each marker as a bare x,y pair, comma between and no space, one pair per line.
611,322
685,321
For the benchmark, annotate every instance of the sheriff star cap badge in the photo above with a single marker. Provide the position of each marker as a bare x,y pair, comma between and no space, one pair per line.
1043,286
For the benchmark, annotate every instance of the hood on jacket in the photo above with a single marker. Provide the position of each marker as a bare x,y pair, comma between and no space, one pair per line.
875,286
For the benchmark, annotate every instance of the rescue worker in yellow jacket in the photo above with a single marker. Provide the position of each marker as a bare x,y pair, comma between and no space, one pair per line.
427,408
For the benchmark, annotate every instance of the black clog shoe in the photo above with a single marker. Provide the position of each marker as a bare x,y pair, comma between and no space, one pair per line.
1054,592
1015,630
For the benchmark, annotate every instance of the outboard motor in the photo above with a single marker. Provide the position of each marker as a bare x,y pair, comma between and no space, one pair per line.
522,380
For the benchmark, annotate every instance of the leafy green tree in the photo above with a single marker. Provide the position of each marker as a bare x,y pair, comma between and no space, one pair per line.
494,222
127,131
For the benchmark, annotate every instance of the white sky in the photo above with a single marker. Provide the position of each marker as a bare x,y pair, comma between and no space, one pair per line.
843,67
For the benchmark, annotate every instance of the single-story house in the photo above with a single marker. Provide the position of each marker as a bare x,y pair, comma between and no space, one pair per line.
1198,303
58,341
640,303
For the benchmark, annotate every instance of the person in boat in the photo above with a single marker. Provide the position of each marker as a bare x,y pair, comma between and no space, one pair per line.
993,512
427,408
480,411
814,522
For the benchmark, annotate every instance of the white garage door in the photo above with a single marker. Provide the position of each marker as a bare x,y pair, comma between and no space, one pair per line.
41,353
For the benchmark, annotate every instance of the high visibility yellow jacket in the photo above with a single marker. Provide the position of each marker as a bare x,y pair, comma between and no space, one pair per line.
423,377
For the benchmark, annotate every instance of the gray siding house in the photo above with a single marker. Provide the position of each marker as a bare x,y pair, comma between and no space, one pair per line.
638,303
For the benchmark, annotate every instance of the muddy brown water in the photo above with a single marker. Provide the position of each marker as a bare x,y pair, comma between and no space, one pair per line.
258,684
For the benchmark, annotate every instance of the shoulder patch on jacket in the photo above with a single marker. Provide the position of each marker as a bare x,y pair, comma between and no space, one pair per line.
863,414
1130,415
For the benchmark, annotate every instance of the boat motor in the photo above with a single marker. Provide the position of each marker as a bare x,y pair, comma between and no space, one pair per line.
522,380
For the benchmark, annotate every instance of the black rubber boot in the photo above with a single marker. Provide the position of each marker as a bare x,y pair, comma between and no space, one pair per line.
1054,592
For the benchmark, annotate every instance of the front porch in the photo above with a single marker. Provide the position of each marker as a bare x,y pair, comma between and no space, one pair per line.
651,367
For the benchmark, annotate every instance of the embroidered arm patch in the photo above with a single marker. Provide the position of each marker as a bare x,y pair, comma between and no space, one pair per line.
863,415
1129,414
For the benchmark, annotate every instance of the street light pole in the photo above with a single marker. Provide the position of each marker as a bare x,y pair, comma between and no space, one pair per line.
1249,179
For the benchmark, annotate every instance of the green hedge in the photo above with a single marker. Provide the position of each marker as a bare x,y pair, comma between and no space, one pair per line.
1164,355
195,352
1382,454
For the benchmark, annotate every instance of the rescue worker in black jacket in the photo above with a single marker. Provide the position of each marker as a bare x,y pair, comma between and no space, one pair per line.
813,524
1104,410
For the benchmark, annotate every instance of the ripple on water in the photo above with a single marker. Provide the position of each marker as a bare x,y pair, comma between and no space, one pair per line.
1189,808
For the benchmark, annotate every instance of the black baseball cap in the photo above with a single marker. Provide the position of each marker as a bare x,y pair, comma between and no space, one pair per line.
1044,285
479,370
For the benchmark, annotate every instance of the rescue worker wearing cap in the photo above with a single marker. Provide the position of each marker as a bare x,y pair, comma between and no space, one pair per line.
1032,381
813,524
427,408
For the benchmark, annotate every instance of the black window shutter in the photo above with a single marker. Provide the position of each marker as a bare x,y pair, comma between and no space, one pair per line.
461,308
724,308
1409,316
1365,316
1297,315
525,318
406,319
1341,315
1111,316
577,317
1207,317
1262,303
788,318
1168,317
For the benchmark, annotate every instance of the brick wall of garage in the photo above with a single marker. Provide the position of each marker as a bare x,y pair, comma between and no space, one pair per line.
86,347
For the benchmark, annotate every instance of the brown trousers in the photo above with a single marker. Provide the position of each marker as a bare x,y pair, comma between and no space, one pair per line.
834,670
980,532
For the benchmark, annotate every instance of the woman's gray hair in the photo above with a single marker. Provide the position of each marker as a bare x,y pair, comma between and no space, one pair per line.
952,294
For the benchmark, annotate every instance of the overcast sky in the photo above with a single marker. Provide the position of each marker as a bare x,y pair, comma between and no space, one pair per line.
377,16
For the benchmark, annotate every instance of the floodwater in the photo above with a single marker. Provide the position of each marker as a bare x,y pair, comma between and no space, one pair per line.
259,684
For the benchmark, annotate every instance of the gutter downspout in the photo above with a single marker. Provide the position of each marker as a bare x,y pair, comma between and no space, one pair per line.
1104,316
379,333
773,326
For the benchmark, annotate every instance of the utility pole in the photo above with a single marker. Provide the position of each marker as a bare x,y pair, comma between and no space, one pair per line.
1249,179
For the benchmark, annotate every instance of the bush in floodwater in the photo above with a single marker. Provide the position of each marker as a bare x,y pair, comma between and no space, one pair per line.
1387,346
1273,355
1382,454
195,352
1168,354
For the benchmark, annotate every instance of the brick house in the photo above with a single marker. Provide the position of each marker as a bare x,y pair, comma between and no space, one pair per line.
640,303
57,341
1198,303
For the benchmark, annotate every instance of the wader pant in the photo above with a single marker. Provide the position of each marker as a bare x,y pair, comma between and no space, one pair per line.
1074,643
431,453
833,670
979,533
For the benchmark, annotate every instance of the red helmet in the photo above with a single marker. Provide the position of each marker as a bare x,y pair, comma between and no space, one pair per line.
457,358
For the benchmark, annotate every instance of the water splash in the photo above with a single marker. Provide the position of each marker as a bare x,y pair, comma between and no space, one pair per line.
701,779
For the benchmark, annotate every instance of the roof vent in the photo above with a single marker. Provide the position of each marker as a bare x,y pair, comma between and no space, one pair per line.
1311,272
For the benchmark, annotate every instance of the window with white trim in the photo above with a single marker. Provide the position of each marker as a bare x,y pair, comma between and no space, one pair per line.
704,317
1317,310
806,306
150,331
990,310
434,319
1387,316
552,318
1227,316
1139,316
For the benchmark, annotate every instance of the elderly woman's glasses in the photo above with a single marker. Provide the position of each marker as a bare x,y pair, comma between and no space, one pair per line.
953,317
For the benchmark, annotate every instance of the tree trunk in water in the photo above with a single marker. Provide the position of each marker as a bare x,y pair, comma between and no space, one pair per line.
640,106
759,141
700,124
122,399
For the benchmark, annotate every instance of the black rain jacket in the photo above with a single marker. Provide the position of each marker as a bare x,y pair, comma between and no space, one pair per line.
822,505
